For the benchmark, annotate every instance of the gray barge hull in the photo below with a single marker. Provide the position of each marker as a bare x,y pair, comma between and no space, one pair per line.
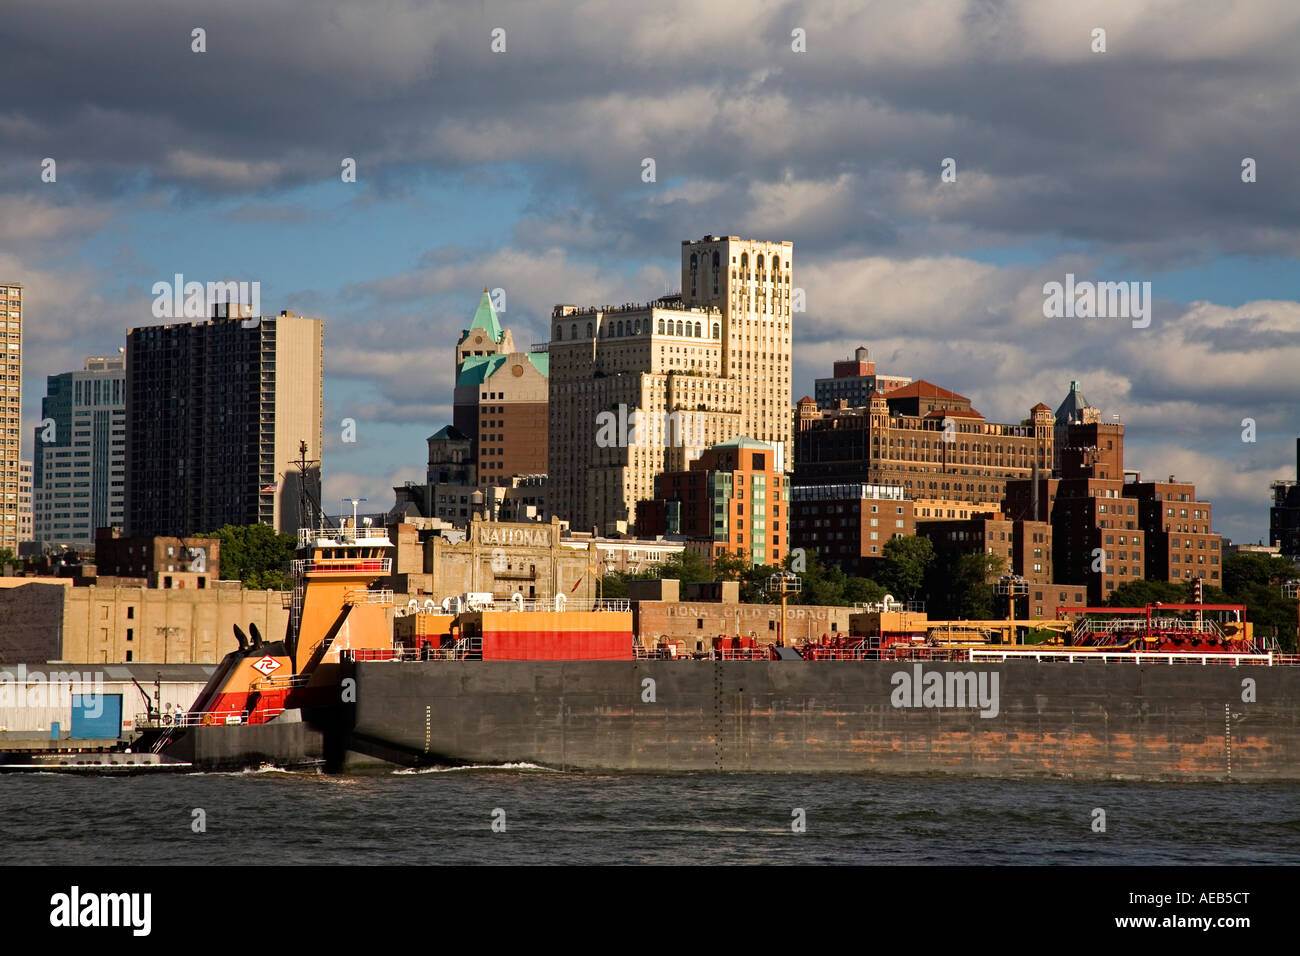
1053,719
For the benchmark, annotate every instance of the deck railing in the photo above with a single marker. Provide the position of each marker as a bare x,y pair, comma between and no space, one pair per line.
365,596
342,566
307,538
1135,657
219,718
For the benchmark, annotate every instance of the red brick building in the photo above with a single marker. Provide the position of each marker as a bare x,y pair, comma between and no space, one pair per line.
1024,546
1179,543
1108,526
732,499
849,524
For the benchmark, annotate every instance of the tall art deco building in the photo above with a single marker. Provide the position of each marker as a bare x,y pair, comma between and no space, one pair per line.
640,389
11,412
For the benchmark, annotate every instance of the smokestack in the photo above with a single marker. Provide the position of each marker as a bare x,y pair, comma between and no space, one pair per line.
1297,459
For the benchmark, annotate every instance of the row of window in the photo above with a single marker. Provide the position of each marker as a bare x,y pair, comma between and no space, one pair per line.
621,329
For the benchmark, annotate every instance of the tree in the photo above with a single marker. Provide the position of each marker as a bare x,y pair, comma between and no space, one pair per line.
822,584
730,567
256,555
753,584
1256,581
1141,593
863,591
972,592
613,586
906,561
686,566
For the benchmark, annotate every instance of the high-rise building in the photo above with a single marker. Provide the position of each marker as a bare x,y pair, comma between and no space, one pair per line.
853,380
640,389
948,459
216,412
484,337
500,400
1179,543
25,523
11,411
1024,546
732,500
1108,526
1284,516
78,473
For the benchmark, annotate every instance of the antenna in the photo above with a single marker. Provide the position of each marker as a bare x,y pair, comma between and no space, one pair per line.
354,502
308,498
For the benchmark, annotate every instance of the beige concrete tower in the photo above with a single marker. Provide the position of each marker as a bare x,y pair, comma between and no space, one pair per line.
11,411
641,389
749,282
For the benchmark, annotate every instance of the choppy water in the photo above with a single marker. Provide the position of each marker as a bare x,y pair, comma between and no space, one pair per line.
432,817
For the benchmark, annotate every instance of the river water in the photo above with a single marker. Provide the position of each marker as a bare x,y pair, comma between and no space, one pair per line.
534,816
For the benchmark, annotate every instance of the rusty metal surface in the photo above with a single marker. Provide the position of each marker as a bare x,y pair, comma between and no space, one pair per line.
1125,721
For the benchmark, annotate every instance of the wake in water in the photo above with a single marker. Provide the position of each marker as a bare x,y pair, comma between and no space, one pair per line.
474,766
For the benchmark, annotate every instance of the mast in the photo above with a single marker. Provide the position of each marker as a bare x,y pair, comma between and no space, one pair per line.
308,497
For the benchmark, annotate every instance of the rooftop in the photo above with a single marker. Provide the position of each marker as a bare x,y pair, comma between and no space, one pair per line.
923,389
485,317
479,368
1071,410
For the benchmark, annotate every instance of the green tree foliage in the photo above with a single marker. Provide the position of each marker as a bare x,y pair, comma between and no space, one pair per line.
731,567
973,590
962,586
753,585
863,591
256,555
828,585
1142,593
819,583
613,586
1256,581
906,561
686,566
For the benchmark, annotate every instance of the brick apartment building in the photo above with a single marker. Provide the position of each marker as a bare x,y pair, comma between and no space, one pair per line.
1024,546
853,380
849,524
1108,526
732,499
927,440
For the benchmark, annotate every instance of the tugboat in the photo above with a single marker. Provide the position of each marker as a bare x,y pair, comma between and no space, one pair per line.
277,702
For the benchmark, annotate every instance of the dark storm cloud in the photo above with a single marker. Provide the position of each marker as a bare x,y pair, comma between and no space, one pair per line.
1132,156
1140,145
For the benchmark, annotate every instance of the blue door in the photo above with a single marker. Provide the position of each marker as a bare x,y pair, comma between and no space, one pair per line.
96,716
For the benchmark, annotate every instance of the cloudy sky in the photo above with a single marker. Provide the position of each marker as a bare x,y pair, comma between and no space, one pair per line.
522,170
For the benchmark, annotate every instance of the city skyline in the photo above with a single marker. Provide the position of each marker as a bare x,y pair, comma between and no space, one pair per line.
536,187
